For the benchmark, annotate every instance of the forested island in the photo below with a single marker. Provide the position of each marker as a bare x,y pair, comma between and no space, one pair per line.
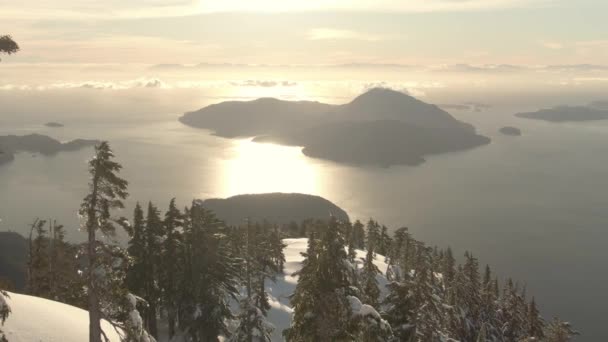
380,127
567,114
185,275
37,143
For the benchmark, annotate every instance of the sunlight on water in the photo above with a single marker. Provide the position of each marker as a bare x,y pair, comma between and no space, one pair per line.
260,168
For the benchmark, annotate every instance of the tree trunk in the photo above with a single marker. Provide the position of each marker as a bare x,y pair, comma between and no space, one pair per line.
94,310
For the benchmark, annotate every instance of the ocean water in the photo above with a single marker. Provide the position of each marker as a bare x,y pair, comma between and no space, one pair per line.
533,207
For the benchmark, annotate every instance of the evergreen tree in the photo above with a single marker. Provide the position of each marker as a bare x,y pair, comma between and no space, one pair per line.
535,324
171,265
258,265
559,331
137,252
399,309
427,303
38,263
384,242
8,45
305,297
65,282
373,235
368,281
210,277
358,235
321,302
253,326
152,235
5,310
107,190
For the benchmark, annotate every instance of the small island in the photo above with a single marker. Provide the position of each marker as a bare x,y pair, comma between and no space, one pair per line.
511,131
276,208
54,124
37,143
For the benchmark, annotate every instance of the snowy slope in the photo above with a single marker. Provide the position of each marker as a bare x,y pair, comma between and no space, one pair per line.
279,291
35,319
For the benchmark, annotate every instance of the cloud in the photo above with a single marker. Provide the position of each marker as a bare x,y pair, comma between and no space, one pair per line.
552,45
467,106
366,5
337,34
478,68
263,83
98,85
87,9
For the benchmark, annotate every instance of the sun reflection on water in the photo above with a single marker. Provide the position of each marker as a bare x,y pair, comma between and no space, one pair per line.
264,167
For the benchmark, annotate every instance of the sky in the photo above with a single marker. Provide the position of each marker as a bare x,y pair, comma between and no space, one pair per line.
311,32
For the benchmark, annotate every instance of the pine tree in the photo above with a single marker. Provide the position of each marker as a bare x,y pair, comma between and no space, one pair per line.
38,264
5,310
65,283
534,322
8,45
358,235
258,265
171,265
399,308
107,190
305,296
559,331
368,281
384,242
152,236
426,300
373,235
366,323
210,277
321,300
137,252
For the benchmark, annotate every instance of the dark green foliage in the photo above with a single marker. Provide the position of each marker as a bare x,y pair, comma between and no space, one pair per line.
8,45
53,268
320,302
559,331
171,264
368,281
399,308
210,276
106,192
5,310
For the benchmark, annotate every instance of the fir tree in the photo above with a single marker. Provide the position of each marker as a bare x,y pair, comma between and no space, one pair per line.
38,263
8,45
211,277
137,252
171,265
5,310
321,305
399,309
368,281
107,190
534,322
152,236
358,235
559,331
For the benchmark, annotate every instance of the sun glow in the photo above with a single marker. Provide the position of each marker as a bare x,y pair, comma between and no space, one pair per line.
260,168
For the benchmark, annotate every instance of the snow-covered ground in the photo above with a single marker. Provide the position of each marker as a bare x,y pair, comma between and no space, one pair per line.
279,291
35,319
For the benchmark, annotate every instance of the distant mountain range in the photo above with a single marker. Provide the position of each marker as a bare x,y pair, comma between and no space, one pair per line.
380,127
37,143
